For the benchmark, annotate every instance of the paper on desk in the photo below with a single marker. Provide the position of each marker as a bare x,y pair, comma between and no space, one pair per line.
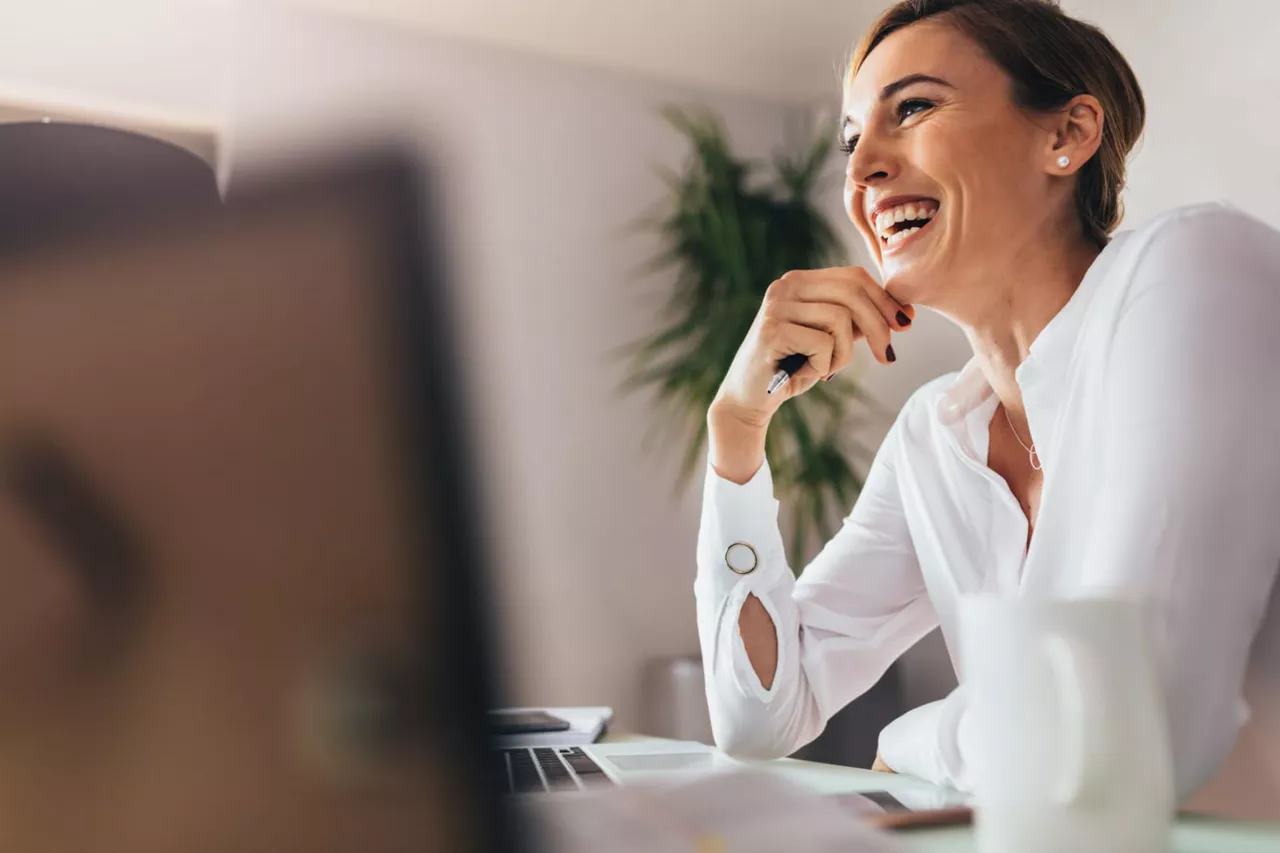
738,812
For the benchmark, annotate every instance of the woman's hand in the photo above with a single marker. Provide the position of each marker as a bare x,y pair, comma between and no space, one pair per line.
820,314
879,766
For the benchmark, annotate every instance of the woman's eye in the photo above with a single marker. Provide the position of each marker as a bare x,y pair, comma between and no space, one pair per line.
911,106
906,109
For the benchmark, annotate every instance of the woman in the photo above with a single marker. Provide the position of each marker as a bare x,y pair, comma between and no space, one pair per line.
1112,429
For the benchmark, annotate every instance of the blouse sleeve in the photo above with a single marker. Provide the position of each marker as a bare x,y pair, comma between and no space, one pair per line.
1188,511
857,606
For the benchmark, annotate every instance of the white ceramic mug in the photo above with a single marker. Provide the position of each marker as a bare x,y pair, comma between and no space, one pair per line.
1067,735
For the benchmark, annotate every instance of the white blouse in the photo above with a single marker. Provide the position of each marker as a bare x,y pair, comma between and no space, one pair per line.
1153,404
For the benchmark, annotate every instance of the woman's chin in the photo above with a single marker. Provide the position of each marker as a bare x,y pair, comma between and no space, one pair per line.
905,287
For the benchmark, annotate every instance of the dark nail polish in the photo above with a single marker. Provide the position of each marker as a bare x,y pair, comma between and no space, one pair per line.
888,353
903,319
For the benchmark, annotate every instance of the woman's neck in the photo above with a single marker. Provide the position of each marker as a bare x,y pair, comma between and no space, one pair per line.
1016,307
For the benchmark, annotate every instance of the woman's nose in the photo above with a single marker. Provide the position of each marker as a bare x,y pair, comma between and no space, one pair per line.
870,163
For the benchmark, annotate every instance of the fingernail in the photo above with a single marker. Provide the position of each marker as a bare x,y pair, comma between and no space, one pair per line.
888,353
903,319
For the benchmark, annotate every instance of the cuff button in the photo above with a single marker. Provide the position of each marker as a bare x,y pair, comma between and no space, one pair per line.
741,558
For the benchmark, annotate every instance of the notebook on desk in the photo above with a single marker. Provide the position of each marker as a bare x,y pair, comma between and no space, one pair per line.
584,725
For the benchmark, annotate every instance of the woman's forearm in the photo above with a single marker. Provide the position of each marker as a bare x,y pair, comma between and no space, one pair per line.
735,444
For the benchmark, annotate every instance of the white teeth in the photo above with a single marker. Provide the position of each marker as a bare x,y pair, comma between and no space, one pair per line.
914,211
899,236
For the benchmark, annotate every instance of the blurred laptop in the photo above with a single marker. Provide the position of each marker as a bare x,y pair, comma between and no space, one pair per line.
236,549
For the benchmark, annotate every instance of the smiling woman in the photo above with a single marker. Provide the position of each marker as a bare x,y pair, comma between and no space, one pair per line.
1093,444
991,88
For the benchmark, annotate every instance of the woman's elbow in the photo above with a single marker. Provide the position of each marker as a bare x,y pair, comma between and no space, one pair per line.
1195,767
1198,760
745,743
759,735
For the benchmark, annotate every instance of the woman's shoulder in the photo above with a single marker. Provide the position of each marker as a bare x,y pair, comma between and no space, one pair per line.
1209,230
1212,242
1195,217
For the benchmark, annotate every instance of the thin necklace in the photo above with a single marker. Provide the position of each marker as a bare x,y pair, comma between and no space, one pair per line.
1031,451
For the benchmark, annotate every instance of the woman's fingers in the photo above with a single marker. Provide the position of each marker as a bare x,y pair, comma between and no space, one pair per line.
841,285
820,314
899,315
827,317
870,321
866,313
816,345
874,311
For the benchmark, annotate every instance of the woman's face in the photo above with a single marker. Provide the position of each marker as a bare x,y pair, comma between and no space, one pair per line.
968,166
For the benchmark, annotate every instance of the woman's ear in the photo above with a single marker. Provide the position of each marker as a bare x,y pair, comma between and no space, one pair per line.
1077,134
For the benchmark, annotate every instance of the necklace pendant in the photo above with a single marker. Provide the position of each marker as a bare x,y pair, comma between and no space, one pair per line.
1034,458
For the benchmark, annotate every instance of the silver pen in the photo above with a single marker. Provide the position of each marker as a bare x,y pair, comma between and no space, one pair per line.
786,369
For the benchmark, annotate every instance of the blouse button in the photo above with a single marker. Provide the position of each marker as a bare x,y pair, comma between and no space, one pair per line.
741,558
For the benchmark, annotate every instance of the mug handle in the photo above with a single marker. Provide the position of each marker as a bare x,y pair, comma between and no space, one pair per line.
1073,681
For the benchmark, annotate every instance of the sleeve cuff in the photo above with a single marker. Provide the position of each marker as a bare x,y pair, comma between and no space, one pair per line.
739,543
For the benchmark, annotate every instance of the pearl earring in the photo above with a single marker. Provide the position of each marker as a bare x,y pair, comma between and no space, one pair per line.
1064,161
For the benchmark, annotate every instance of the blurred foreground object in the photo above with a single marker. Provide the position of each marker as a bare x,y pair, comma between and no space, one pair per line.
741,812
235,555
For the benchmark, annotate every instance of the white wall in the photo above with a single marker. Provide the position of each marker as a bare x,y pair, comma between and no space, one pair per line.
723,45
1212,84
147,59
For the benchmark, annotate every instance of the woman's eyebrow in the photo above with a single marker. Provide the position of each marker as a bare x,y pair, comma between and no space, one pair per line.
897,86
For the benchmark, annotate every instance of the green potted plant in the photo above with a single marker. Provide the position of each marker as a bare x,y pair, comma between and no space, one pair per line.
729,228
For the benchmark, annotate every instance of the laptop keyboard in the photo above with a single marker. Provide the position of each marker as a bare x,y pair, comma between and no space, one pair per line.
531,770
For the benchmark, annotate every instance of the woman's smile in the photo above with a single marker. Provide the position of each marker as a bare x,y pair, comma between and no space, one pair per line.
900,222
904,235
